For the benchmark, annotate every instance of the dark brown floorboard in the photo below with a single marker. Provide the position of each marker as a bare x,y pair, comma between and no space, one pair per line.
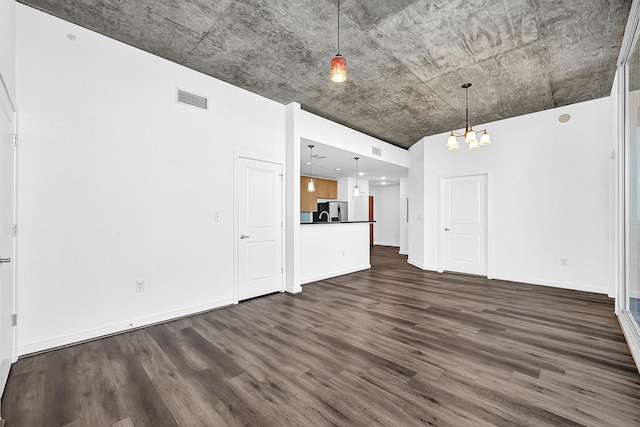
392,346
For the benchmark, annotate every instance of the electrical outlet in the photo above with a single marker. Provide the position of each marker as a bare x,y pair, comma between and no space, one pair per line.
563,262
218,216
139,285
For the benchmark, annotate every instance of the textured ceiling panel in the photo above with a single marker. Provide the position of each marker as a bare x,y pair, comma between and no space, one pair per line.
406,59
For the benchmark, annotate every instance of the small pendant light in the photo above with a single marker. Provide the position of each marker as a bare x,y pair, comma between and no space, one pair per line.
356,189
311,187
338,63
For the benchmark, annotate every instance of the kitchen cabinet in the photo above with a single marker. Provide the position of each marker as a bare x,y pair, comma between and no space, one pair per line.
308,200
327,189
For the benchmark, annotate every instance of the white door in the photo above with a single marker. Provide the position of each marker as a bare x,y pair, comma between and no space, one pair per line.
7,259
259,219
464,224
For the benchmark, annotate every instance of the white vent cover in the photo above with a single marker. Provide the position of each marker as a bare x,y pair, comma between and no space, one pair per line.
376,151
186,98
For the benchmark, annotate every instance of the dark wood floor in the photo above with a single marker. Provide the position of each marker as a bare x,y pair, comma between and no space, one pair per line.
391,346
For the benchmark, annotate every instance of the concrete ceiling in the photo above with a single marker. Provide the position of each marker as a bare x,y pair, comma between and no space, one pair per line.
406,59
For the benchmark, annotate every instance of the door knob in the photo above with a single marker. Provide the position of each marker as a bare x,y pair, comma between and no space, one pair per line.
3,260
244,237
446,229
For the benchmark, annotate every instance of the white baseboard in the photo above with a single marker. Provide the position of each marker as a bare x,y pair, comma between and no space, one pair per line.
401,252
415,264
553,284
393,245
90,334
334,274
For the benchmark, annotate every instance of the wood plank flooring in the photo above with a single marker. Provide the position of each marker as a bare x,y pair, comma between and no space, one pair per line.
392,346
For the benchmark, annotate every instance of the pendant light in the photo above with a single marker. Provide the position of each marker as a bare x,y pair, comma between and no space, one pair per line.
356,189
469,135
311,187
338,63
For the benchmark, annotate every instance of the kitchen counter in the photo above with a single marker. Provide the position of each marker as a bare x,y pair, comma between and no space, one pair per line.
337,222
333,251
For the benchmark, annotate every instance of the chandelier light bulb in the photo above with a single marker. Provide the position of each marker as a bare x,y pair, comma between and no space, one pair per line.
454,146
452,141
311,187
470,136
473,145
484,138
356,191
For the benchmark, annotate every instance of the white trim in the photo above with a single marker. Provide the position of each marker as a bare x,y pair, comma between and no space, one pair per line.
389,245
424,267
89,334
415,264
553,284
324,276
403,252
631,334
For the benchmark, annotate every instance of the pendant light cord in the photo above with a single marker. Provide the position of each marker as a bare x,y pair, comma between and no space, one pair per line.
338,27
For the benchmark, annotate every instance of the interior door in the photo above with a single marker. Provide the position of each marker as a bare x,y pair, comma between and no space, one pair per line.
7,259
464,224
259,219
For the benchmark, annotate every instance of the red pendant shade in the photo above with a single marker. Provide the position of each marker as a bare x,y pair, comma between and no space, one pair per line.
338,68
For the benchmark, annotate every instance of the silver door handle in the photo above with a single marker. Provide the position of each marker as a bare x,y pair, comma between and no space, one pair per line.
446,229
244,237
3,260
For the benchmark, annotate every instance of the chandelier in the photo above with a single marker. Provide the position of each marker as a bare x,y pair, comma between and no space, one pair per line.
469,134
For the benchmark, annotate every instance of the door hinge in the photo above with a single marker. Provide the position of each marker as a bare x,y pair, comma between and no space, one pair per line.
281,270
14,320
15,139
14,230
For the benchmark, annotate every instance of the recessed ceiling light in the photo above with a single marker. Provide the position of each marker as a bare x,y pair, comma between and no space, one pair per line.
361,173
338,169
383,177
384,183
309,163
564,118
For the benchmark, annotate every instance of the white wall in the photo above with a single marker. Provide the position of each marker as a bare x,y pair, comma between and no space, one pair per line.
548,195
325,131
386,213
416,234
119,183
404,224
7,46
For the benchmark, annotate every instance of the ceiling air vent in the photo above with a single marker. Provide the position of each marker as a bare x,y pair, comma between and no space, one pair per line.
186,98
376,151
